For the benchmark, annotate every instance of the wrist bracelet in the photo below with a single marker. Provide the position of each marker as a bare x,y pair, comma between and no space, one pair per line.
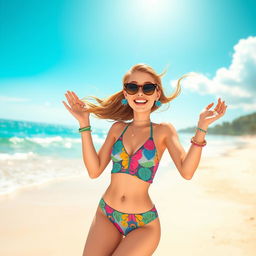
199,143
87,128
196,143
198,128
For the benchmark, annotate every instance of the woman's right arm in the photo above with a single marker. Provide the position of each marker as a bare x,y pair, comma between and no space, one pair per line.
90,156
96,162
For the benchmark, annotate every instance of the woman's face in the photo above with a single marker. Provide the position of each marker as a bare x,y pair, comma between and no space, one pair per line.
140,78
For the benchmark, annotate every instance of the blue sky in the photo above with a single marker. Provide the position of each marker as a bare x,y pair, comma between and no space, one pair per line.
48,47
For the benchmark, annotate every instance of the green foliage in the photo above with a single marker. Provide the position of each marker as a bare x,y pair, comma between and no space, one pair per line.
244,125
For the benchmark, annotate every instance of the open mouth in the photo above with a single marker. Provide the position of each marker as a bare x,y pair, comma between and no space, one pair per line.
140,102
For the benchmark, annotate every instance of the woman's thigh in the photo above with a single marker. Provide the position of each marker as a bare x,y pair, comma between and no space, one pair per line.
141,241
103,236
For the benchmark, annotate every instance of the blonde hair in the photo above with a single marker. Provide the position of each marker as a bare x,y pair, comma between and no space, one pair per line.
112,108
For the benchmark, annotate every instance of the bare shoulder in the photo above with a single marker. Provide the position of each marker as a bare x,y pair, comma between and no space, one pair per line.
158,127
166,129
160,130
116,128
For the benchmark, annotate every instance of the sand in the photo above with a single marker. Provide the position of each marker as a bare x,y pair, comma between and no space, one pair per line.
214,213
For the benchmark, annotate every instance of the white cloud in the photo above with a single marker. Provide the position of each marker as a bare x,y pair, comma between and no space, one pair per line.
235,84
13,99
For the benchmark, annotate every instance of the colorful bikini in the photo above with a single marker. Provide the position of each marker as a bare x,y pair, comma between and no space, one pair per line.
142,164
126,222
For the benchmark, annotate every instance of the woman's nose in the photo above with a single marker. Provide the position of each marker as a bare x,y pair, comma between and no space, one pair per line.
140,91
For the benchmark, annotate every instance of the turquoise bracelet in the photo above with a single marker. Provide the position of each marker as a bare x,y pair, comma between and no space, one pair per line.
198,128
87,128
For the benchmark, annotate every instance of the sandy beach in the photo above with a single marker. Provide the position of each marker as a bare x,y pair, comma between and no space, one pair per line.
212,214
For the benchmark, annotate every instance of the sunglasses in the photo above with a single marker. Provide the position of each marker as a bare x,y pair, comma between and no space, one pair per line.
147,89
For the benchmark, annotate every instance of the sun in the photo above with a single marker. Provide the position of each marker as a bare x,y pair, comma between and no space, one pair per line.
149,12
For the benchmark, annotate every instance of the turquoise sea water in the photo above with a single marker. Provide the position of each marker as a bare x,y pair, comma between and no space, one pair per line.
42,139
34,153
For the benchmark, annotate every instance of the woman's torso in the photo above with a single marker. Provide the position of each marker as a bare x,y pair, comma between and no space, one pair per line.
126,192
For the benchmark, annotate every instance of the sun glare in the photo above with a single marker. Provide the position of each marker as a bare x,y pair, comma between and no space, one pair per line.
149,11
151,5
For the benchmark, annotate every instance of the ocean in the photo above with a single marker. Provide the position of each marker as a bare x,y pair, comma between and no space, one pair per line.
34,153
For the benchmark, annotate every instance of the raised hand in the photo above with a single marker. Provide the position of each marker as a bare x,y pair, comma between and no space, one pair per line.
77,107
208,116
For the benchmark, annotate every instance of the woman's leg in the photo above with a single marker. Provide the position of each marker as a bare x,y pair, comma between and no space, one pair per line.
142,235
103,236
142,241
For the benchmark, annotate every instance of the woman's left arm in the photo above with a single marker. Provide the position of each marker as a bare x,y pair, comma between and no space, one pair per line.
207,116
187,163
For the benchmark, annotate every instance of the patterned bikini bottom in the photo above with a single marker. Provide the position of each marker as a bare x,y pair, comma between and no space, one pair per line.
126,222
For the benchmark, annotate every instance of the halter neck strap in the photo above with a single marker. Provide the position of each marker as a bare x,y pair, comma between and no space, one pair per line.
151,129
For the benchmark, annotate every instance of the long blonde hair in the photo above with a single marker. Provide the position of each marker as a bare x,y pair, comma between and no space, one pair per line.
112,108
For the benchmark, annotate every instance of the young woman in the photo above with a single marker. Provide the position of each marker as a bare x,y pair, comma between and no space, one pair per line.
126,220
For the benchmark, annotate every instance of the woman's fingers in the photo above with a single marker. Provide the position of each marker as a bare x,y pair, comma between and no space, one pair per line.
67,107
75,103
72,96
209,106
77,99
69,99
219,105
220,108
73,99
223,107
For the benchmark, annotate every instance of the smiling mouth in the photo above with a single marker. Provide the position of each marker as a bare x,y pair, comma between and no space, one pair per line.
140,102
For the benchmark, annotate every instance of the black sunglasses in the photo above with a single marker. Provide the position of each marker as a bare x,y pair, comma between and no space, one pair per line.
147,89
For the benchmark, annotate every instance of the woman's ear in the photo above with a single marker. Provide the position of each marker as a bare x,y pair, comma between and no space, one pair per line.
158,94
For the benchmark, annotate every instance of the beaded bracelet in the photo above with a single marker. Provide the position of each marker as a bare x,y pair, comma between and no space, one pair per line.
87,128
199,143
198,128
194,142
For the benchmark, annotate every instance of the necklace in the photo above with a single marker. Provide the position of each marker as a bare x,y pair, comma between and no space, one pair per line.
139,121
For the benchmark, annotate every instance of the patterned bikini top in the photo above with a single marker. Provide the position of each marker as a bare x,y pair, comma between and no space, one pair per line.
143,163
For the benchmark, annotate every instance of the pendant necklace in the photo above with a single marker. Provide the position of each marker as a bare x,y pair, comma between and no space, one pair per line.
139,121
